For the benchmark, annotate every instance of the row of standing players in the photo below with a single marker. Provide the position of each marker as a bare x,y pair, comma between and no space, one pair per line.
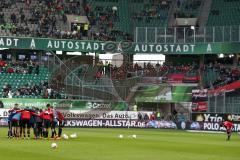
20,120
41,120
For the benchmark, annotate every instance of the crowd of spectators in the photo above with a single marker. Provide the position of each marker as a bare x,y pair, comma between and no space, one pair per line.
38,17
127,70
21,67
156,10
44,18
226,74
22,87
187,8
42,90
105,19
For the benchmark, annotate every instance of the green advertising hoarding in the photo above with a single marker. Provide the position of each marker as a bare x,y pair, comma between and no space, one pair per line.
163,94
64,104
126,47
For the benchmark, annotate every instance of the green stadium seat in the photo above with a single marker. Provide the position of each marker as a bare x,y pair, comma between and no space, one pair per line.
19,80
224,13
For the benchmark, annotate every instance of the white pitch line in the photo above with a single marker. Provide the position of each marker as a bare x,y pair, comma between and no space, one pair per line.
196,131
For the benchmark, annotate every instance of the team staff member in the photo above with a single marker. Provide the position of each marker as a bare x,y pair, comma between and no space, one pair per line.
61,123
47,116
54,122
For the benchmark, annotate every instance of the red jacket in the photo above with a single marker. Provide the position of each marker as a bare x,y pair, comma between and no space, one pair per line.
60,116
10,70
228,125
25,114
47,115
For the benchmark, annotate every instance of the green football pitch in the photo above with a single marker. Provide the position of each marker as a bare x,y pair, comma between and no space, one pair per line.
104,144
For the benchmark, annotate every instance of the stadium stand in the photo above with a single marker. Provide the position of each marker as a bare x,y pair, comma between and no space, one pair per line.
25,79
37,18
224,12
219,75
109,19
150,13
188,8
113,20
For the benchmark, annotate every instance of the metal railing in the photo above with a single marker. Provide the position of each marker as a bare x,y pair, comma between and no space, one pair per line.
187,34
66,79
223,103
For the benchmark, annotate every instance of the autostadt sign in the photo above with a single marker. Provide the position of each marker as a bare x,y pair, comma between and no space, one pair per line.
106,46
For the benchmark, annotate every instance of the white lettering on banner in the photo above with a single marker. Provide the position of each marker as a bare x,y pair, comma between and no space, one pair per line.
32,45
178,48
95,46
171,46
89,47
15,42
121,116
1,42
211,126
56,44
237,127
235,117
217,127
106,116
70,45
119,47
99,106
63,44
144,48
165,48
85,123
159,48
206,117
104,123
25,104
137,49
102,46
49,44
4,113
107,123
216,118
99,46
193,47
83,45
151,47
77,45
209,48
8,42
185,48
93,114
